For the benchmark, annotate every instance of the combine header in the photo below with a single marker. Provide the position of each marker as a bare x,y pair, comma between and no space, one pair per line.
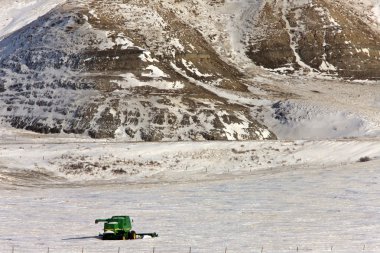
120,228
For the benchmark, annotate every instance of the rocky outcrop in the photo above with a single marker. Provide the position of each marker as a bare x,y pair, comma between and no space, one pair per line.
325,37
116,70
272,48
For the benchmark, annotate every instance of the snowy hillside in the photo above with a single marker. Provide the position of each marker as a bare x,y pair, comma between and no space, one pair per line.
17,14
118,79
78,159
184,70
325,37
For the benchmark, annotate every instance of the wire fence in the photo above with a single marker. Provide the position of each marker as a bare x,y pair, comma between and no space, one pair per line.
262,249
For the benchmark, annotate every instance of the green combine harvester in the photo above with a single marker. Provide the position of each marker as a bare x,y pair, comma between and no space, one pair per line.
120,228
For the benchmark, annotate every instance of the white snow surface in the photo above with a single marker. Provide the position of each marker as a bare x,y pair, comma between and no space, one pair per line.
271,195
376,11
15,14
330,108
154,72
129,80
368,10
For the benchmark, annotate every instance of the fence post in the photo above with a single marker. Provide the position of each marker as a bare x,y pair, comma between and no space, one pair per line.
190,250
225,251
153,249
82,250
13,249
118,250
262,249
48,249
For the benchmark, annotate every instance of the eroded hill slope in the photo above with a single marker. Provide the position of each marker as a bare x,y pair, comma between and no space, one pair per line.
177,70
121,69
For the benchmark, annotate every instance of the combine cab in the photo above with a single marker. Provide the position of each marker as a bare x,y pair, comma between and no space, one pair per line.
120,228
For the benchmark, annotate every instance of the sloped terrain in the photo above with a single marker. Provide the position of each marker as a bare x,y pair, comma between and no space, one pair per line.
17,14
316,36
186,70
132,70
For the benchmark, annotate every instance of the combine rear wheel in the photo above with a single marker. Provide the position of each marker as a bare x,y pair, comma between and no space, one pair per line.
132,235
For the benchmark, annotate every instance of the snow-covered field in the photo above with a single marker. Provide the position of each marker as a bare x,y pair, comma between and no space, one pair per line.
273,196
313,210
